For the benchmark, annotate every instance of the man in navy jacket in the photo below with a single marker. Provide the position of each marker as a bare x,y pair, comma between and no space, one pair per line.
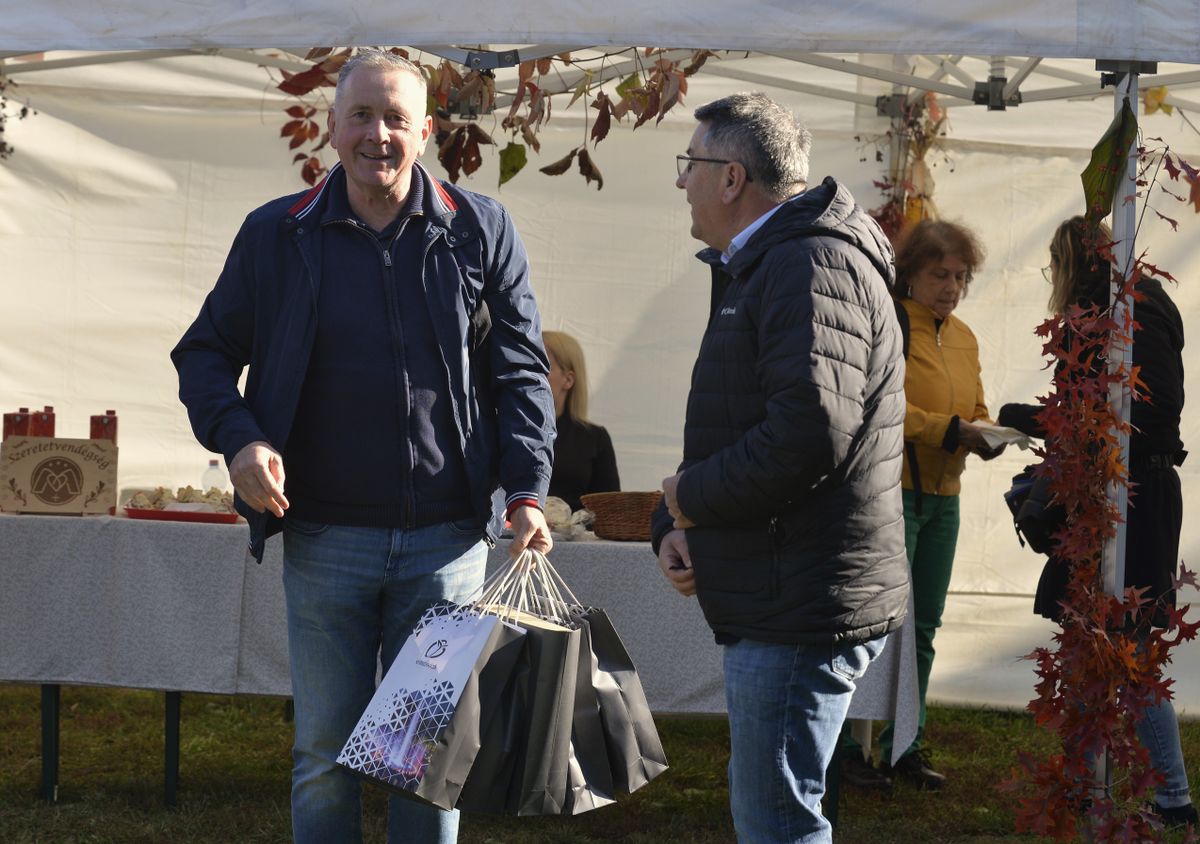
396,370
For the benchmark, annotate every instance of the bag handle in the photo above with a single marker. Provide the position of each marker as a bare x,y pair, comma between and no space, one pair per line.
528,584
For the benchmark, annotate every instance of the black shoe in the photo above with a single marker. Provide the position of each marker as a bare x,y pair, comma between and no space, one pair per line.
1174,817
860,773
916,768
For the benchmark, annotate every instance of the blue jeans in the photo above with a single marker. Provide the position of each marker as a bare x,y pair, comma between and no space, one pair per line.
786,706
353,596
1158,731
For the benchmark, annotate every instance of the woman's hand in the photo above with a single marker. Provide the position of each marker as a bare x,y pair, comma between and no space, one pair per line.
970,437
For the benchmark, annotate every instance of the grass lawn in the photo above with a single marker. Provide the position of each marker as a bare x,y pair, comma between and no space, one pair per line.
235,764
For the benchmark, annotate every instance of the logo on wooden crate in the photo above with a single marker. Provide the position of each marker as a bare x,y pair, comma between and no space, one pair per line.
57,481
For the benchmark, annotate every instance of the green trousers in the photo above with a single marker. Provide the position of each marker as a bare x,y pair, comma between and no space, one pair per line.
929,539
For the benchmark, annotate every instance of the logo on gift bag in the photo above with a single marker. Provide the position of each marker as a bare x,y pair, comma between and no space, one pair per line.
436,649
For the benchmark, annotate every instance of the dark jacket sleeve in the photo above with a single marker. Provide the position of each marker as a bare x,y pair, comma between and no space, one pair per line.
519,368
1023,417
213,352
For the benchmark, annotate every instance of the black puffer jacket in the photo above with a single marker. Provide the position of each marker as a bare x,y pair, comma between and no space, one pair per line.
794,431
1155,513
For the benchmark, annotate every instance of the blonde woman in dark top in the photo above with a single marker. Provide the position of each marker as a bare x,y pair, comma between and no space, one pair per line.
584,460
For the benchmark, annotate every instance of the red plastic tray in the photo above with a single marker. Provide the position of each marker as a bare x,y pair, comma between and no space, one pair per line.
181,516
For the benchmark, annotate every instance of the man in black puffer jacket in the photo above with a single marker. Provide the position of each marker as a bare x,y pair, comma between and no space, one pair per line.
785,517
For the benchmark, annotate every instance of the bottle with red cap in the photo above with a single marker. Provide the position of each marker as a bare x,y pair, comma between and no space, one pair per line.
41,422
104,426
16,424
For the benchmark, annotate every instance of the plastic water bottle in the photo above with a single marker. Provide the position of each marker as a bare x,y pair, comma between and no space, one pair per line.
214,476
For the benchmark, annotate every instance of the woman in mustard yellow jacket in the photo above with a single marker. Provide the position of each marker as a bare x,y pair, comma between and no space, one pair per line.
935,262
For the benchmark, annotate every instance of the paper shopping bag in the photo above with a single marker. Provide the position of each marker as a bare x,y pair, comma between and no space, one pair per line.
422,730
634,748
522,765
589,771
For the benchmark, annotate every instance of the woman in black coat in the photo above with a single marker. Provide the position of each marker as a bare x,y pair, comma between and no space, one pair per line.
584,460
1078,276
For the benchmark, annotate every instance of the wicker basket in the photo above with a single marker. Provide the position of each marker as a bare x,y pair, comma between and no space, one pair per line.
622,515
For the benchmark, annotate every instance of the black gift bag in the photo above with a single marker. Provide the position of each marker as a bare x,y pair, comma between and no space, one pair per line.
589,772
523,763
635,751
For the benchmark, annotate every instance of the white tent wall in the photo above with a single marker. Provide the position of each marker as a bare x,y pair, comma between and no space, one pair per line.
127,187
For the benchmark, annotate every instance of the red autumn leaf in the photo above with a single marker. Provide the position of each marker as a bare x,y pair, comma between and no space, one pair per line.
291,128
561,166
470,91
300,111
544,65
442,82
324,141
1194,193
589,169
525,72
676,87
518,98
305,82
300,156
537,104
604,119
456,78
649,109
1172,223
450,153
477,135
312,170
296,141
472,159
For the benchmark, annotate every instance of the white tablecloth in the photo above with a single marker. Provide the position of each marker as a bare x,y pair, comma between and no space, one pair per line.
178,606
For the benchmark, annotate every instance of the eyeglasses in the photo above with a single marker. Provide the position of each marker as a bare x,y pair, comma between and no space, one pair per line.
683,164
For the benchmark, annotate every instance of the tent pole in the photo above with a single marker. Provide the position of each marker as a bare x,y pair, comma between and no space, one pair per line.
1124,225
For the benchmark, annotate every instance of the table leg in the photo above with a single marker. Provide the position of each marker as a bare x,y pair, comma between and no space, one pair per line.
50,719
171,775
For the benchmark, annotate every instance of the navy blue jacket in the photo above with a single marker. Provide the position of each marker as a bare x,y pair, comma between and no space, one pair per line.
262,314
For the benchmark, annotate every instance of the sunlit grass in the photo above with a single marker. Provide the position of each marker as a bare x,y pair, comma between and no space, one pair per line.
235,764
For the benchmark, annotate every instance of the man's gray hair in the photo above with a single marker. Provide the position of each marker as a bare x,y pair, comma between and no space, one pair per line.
763,136
377,60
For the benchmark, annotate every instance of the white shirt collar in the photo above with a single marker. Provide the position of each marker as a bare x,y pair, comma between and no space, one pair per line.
742,237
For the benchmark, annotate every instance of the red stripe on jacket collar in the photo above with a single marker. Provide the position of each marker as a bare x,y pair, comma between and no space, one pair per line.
306,202
440,191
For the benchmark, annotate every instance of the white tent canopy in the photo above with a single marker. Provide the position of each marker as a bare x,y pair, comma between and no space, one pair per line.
1162,30
127,187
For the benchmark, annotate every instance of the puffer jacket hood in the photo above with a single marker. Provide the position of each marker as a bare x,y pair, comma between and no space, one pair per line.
826,209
